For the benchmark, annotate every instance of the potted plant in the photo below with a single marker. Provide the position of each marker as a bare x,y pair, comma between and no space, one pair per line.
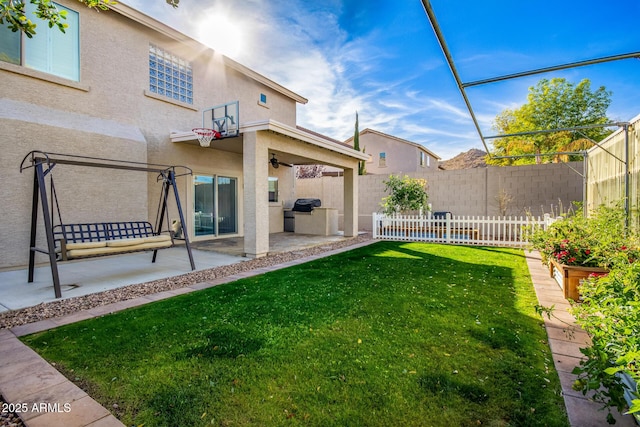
575,246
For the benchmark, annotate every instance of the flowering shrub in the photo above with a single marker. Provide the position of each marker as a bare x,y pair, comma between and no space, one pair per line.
593,241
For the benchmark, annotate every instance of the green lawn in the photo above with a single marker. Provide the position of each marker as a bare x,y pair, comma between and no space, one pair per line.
392,334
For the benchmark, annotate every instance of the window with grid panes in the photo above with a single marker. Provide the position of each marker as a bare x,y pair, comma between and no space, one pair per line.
170,75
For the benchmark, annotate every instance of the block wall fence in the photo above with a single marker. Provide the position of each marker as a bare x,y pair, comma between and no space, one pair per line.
539,189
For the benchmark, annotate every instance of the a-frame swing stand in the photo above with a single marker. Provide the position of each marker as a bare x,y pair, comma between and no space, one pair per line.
43,164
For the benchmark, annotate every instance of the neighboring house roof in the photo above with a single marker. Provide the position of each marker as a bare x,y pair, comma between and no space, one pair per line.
174,34
395,138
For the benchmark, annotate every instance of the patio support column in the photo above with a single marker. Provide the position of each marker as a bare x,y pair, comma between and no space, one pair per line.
350,202
256,189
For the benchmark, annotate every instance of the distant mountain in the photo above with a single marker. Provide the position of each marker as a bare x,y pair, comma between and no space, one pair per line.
473,158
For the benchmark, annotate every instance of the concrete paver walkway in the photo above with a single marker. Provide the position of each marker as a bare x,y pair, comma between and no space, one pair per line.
27,378
565,349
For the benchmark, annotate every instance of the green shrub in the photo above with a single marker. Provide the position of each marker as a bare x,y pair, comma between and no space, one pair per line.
406,194
610,314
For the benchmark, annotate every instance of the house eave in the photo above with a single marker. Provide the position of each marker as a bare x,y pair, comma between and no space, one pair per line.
282,129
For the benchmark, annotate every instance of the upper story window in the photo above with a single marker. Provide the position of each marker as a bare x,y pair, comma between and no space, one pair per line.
50,50
382,160
170,75
425,159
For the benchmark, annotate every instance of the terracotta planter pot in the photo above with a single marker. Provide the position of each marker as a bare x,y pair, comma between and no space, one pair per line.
569,277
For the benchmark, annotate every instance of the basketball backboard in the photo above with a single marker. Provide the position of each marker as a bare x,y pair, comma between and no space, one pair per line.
223,118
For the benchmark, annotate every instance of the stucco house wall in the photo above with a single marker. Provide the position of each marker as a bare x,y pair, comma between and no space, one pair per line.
401,155
111,113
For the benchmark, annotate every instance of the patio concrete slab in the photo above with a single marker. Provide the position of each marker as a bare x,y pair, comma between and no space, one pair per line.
88,276
83,277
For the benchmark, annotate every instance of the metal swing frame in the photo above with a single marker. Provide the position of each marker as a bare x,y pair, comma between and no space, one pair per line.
43,164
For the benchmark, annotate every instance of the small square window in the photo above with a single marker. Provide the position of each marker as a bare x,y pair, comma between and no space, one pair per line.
263,98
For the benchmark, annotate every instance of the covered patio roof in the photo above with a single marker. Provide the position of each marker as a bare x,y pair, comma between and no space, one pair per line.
235,145
258,140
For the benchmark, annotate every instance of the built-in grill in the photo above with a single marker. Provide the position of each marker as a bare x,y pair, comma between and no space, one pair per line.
306,205
300,205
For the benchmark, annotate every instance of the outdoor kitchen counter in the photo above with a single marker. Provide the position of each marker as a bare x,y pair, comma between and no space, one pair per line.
320,221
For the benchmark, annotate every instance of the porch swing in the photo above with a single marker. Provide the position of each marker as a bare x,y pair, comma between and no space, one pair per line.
67,241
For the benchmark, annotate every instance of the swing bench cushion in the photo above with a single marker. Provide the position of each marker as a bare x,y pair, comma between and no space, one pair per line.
89,249
97,244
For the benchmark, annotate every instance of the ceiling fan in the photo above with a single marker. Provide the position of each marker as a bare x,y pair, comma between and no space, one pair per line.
276,163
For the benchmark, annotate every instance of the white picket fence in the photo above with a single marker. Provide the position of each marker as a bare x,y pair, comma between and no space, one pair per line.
460,230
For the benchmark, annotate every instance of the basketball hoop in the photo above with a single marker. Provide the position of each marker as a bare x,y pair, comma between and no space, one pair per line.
205,135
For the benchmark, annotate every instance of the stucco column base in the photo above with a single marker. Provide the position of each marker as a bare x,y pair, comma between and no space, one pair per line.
256,189
254,256
350,202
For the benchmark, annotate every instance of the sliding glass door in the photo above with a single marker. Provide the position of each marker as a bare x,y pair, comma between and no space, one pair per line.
215,205
227,205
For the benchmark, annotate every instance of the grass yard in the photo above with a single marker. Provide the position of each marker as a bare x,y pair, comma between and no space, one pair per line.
392,334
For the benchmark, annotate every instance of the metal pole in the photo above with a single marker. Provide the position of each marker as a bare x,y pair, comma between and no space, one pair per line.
447,54
34,226
163,209
51,247
572,129
554,68
172,180
585,183
626,176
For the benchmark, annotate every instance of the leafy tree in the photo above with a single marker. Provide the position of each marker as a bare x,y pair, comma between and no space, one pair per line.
13,14
362,170
406,194
552,104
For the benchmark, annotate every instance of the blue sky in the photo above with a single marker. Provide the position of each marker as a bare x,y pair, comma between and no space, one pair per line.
381,58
